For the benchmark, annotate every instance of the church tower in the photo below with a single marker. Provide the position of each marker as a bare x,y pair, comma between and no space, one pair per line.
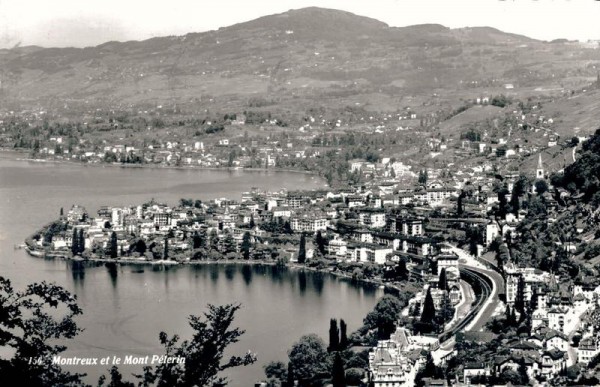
539,172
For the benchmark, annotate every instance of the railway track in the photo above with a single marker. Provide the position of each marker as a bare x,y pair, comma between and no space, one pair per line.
482,288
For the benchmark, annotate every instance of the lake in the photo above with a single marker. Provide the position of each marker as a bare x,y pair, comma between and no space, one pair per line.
126,308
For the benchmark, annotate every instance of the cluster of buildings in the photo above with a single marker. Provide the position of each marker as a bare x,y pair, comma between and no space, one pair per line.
395,362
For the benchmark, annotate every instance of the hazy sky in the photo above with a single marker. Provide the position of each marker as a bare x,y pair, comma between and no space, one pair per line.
90,22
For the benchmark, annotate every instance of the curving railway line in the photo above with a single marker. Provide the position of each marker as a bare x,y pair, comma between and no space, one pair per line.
483,289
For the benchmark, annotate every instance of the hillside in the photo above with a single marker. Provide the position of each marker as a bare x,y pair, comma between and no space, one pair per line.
292,62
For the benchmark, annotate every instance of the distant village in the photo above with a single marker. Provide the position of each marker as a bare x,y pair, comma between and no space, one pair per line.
255,139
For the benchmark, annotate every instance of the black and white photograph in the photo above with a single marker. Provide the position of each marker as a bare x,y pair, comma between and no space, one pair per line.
280,193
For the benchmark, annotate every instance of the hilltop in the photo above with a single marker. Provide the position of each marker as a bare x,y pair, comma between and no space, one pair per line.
292,62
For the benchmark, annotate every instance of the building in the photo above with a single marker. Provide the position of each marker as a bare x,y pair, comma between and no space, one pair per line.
395,362
556,318
491,232
355,201
448,262
416,245
472,370
435,196
409,226
553,362
534,281
309,223
161,218
338,247
588,348
539,172
76,214
368,252
371,217
295,201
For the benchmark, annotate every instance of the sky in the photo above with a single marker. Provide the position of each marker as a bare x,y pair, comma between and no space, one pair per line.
80,23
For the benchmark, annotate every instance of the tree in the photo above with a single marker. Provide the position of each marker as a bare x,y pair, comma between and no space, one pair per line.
287,227
252,222
508,316
428,370
140,247
246,245
113,245
459,203
523,372
502,256
541,187
428,313
423,176
474,237
75,242
186,202
31,323
443,280
520,296
334,336
433,266
309,359
196,240
80,242
276,370
338,376
513,317
62,212
343,334
229,244
401,269
500,100
204,353
320,242
520,187
502,191
384,316
116,379
509,375
214,240
291,377
302,249
166,249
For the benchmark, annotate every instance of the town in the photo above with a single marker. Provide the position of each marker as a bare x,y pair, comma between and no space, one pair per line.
438,184
494,274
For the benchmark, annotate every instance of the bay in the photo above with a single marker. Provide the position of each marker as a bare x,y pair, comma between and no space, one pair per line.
126,307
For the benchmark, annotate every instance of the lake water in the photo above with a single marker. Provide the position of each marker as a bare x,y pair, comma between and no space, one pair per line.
124,309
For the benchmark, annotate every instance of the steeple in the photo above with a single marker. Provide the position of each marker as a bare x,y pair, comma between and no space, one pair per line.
539,173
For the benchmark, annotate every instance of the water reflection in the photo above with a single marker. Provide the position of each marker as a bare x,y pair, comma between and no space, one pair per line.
260,270
281,274
111,267
302,281
78,272
214,273
230,272
247,274
317,282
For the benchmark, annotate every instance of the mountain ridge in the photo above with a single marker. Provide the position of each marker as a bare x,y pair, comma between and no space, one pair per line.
302,54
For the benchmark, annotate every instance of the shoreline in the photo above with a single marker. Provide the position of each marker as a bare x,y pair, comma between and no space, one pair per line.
151,166
293,266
